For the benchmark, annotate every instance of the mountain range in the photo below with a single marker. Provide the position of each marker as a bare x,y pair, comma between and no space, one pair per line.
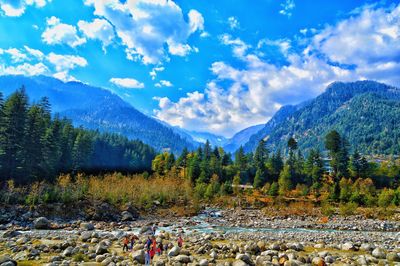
366,113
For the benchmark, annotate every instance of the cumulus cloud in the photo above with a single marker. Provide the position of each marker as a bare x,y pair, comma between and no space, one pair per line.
61,33
98,29
16,8
31,62
365,46
150,30
164,83
127,83
287,8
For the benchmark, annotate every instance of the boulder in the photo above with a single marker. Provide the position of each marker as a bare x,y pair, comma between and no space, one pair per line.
244,257
348,246
6,259
174,251
367,247
41,223
126,216
138,256
85,236
203,262
317,261
68,252
239,263
379,253
87,226
11,233
101,248
145,229
182,259
100,258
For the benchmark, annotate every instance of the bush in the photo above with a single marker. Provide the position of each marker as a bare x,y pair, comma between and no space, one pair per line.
327,209
274,189
386,198
348,208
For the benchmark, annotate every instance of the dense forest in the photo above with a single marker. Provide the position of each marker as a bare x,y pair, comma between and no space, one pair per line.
365,112
345,178
35,146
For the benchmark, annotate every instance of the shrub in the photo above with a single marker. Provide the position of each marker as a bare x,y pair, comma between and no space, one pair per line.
327,209
386,197
348,208
274,189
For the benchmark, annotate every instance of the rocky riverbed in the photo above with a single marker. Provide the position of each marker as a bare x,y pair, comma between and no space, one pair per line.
230,237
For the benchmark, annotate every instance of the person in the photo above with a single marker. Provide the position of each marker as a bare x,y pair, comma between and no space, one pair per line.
125,242
147,257
160,248
180,241
133,238
154,229
148,242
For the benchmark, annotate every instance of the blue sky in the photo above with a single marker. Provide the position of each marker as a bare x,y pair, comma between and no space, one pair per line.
217,66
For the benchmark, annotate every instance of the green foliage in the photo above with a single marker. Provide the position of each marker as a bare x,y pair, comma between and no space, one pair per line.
274,189
386,198
284,182
348,208
33,146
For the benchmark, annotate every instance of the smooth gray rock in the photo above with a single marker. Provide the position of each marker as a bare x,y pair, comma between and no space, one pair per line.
41,223
174,251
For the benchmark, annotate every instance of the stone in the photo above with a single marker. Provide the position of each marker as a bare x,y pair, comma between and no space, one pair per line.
9,263
100,258
317,261
244,257
87,226
174,251
107,261
68,252
138,256
126,216
239,263
11,233
41,223
366,247
85,236
182,259
145,229
6,259
292,263
203,262
378,253
101,248
348,246
214,255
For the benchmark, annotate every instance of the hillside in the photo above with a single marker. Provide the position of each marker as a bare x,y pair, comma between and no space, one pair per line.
241,138
365,112
96,108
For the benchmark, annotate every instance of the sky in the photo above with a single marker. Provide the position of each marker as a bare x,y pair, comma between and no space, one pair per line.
205,65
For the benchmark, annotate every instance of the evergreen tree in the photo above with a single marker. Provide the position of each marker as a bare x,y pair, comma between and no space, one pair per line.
284,181
240,159
15,116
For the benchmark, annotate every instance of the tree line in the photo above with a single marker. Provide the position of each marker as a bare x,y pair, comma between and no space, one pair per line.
36,146
343,176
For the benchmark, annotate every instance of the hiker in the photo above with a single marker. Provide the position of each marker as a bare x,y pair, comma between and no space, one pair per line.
180,241
125,242
147,257
160,248
133,238
148,242
154,229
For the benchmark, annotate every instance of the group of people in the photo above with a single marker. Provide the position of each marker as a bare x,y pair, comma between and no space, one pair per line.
152,248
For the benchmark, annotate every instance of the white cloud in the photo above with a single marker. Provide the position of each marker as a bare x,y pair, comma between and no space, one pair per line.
16,55
66,62
64,76
287,8
34,52
239,47
368,42
24,69
153,72
233,23
150,29
164,83
61,33
98,29
127,83
15,8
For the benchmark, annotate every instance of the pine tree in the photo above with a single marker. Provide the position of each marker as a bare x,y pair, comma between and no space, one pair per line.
284,181
15,116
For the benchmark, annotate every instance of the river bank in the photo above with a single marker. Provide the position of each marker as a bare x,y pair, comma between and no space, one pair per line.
224,237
